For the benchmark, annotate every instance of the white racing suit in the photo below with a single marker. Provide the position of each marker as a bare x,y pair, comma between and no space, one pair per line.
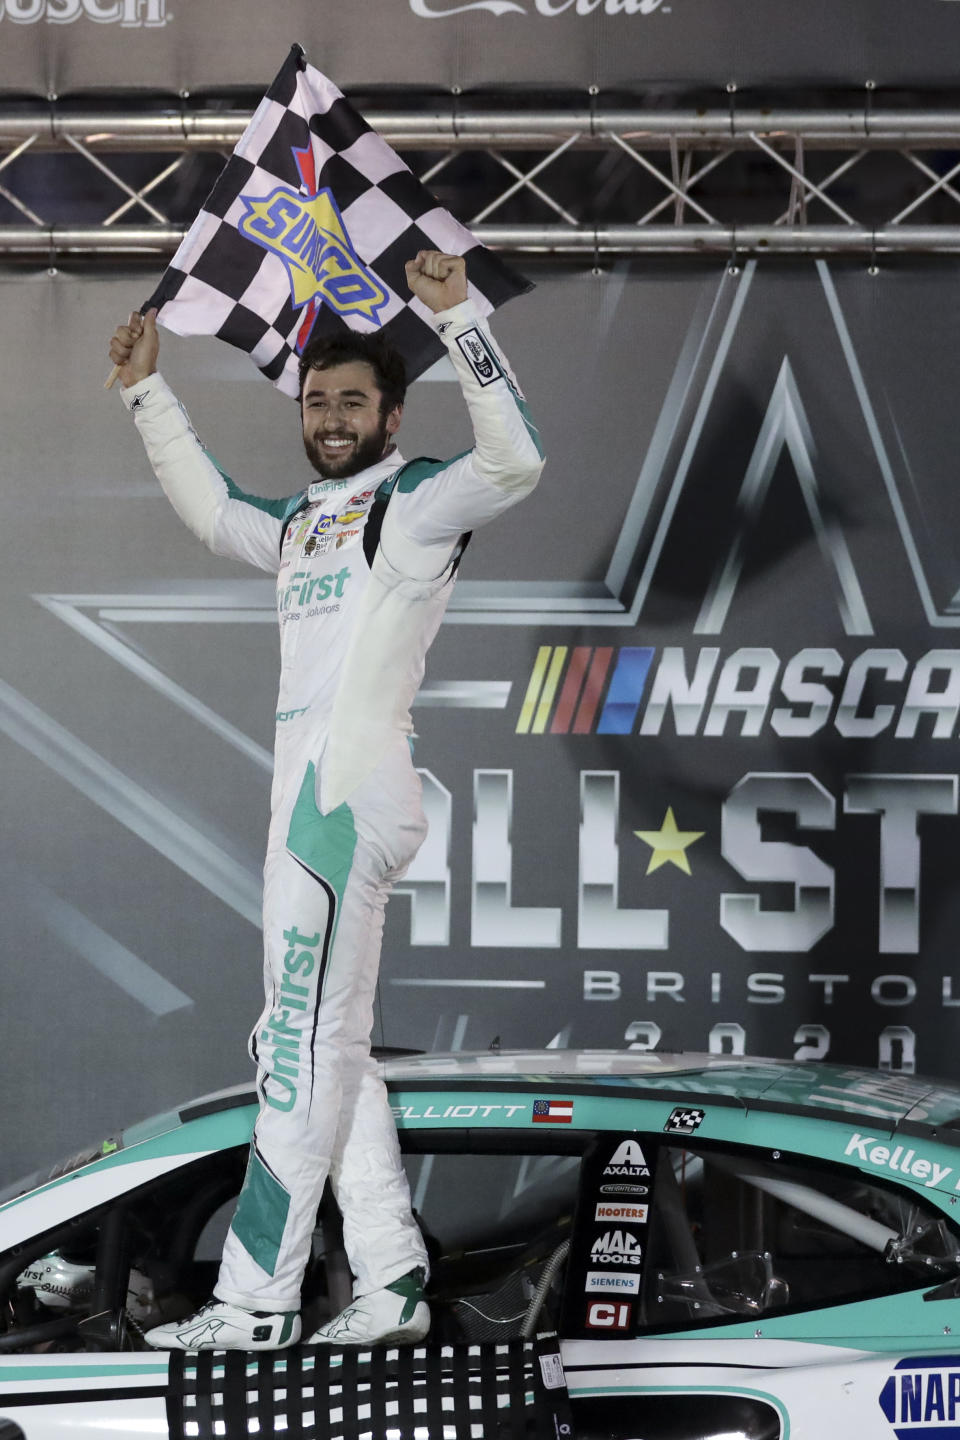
362,586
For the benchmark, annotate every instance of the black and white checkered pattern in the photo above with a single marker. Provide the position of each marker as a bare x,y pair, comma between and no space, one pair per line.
510,1391
221,283
684,1121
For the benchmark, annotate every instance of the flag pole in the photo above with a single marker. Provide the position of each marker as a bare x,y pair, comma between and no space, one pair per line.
295,49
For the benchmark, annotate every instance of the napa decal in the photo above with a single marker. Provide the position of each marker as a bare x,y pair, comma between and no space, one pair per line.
922,1398
308,234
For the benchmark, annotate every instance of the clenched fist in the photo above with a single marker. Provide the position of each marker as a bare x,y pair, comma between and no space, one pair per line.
135,346
438,280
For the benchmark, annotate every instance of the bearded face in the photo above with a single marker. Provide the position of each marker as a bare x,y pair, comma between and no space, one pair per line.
345,428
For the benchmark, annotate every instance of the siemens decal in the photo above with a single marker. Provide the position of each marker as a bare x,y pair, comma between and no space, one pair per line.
133,14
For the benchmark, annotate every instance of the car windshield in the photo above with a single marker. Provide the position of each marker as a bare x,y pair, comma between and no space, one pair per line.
733,1236
496,1223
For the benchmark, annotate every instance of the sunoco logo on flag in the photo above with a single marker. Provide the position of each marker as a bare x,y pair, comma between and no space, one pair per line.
308,230
308,234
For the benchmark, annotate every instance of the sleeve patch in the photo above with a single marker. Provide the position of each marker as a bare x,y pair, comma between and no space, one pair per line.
479,356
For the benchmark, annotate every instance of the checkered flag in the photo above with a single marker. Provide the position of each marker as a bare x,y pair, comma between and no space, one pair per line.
307,232
684,1121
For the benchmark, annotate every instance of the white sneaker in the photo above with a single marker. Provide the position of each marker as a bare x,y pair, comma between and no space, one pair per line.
220,1326
58,1283
396,1315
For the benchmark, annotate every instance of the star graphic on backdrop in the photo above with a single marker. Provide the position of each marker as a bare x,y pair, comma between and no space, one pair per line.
669,844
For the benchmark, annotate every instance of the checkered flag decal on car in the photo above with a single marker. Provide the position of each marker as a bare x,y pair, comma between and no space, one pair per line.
511,1391
684,1121
307,232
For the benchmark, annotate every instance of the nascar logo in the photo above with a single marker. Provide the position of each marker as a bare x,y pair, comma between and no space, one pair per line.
583,685
600,691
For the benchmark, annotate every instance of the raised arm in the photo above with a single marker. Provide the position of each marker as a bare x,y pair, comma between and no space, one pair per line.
228,521
434,503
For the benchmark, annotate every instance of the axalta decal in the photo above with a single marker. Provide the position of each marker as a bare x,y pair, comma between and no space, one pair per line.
548,9
308,233
923,1396
749,692
131,14
627,1161
898,1159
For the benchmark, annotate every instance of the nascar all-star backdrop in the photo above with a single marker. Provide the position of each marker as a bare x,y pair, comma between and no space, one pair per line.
63,46
689,734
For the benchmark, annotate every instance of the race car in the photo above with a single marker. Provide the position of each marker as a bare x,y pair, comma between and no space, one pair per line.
623,1244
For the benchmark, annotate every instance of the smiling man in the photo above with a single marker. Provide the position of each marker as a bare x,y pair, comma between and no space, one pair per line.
365,558
352,401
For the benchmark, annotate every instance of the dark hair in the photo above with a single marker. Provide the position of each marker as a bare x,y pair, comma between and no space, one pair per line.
386,362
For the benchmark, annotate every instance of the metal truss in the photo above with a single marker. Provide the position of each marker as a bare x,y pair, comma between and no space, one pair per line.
575,181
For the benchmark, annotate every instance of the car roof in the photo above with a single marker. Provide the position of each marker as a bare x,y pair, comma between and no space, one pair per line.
790,1086
758,1102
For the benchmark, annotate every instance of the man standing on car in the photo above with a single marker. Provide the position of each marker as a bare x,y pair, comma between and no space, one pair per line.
362,587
